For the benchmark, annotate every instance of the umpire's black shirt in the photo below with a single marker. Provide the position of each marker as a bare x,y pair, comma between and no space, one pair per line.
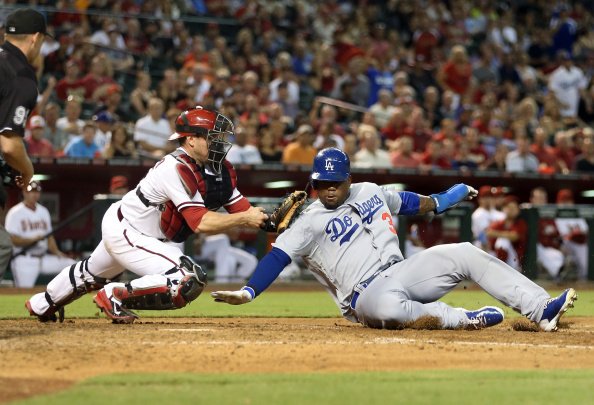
18,89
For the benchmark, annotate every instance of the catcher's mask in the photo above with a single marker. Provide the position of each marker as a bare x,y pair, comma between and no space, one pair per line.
331,164
212,124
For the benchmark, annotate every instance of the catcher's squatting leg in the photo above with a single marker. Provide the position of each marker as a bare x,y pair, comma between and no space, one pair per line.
70,284
171,290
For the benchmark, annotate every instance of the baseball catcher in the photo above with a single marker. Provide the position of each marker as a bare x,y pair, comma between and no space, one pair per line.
179,196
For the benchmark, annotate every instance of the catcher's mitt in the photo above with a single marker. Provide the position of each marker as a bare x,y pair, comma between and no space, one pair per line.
286,212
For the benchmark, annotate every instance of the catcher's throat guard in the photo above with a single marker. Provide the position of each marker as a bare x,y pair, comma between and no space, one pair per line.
168,296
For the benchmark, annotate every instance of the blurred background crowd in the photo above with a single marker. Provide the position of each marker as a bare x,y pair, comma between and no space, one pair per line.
460,84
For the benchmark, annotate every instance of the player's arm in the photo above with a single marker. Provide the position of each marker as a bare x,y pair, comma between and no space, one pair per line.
266,272
511,234
52,246
413,203
20,241
15,154
214,222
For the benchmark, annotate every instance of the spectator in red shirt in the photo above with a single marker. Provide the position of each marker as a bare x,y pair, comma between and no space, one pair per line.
456,73
564,148
447,131
433,157
397,127
508,237
403,154
98,77
546,153
71,83
425,40
478,154
37,145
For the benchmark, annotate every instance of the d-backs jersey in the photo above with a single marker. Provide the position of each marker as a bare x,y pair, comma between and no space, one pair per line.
18,89
27,223
162,184
344,246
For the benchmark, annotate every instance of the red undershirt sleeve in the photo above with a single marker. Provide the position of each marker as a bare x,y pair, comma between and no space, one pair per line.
239,206
193,216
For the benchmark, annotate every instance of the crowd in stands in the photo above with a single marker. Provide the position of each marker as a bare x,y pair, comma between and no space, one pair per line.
459,84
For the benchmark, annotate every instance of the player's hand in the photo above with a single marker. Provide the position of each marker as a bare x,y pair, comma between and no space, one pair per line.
239,297
255,217
472,192
20,182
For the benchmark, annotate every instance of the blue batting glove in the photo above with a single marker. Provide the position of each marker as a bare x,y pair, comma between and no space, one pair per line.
451,197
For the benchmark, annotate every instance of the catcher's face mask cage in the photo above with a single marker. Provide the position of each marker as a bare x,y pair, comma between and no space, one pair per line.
214,126
218,146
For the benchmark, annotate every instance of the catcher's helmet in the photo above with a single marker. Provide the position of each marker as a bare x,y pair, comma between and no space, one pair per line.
213,125
331,164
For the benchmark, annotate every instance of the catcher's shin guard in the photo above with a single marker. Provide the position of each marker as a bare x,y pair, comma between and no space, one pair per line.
67,286
183,285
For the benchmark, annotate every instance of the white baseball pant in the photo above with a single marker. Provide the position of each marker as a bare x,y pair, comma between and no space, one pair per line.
122,248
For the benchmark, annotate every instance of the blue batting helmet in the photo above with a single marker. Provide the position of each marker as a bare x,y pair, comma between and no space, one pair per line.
331,164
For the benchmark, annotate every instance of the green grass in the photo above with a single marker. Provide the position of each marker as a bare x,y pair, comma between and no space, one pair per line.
315,304
416,387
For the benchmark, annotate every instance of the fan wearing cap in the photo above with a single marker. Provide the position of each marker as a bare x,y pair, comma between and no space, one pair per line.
25,32
507,237
29,224
103,122
37,145
142,232
118,185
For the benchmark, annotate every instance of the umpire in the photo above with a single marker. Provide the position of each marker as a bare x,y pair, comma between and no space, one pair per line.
25,32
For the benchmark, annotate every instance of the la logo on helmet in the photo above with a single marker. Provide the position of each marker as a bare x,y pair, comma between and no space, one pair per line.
329,165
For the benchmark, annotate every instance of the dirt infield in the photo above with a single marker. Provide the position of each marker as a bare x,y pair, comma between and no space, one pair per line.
41,358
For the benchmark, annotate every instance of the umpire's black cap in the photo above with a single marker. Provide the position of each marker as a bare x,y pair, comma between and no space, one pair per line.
26,21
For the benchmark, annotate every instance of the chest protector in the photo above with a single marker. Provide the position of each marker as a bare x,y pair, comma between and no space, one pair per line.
215,190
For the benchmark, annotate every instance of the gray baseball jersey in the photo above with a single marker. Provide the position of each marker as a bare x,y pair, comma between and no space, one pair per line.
360,232
345,246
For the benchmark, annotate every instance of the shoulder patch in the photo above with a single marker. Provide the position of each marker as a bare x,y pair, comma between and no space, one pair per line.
188,178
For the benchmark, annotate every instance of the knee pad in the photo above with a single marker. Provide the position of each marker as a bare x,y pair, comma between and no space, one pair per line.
177,293
195,281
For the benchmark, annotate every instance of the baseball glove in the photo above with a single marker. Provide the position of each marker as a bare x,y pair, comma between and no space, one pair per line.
286,212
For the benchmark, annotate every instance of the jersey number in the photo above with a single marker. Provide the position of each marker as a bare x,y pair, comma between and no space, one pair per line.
20,114
387,217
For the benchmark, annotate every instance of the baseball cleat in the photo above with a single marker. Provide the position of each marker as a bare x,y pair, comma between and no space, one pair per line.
113,309
484,317
47,317
554,308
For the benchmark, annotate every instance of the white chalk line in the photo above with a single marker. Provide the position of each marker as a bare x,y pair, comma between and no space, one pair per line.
188,330
375,341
